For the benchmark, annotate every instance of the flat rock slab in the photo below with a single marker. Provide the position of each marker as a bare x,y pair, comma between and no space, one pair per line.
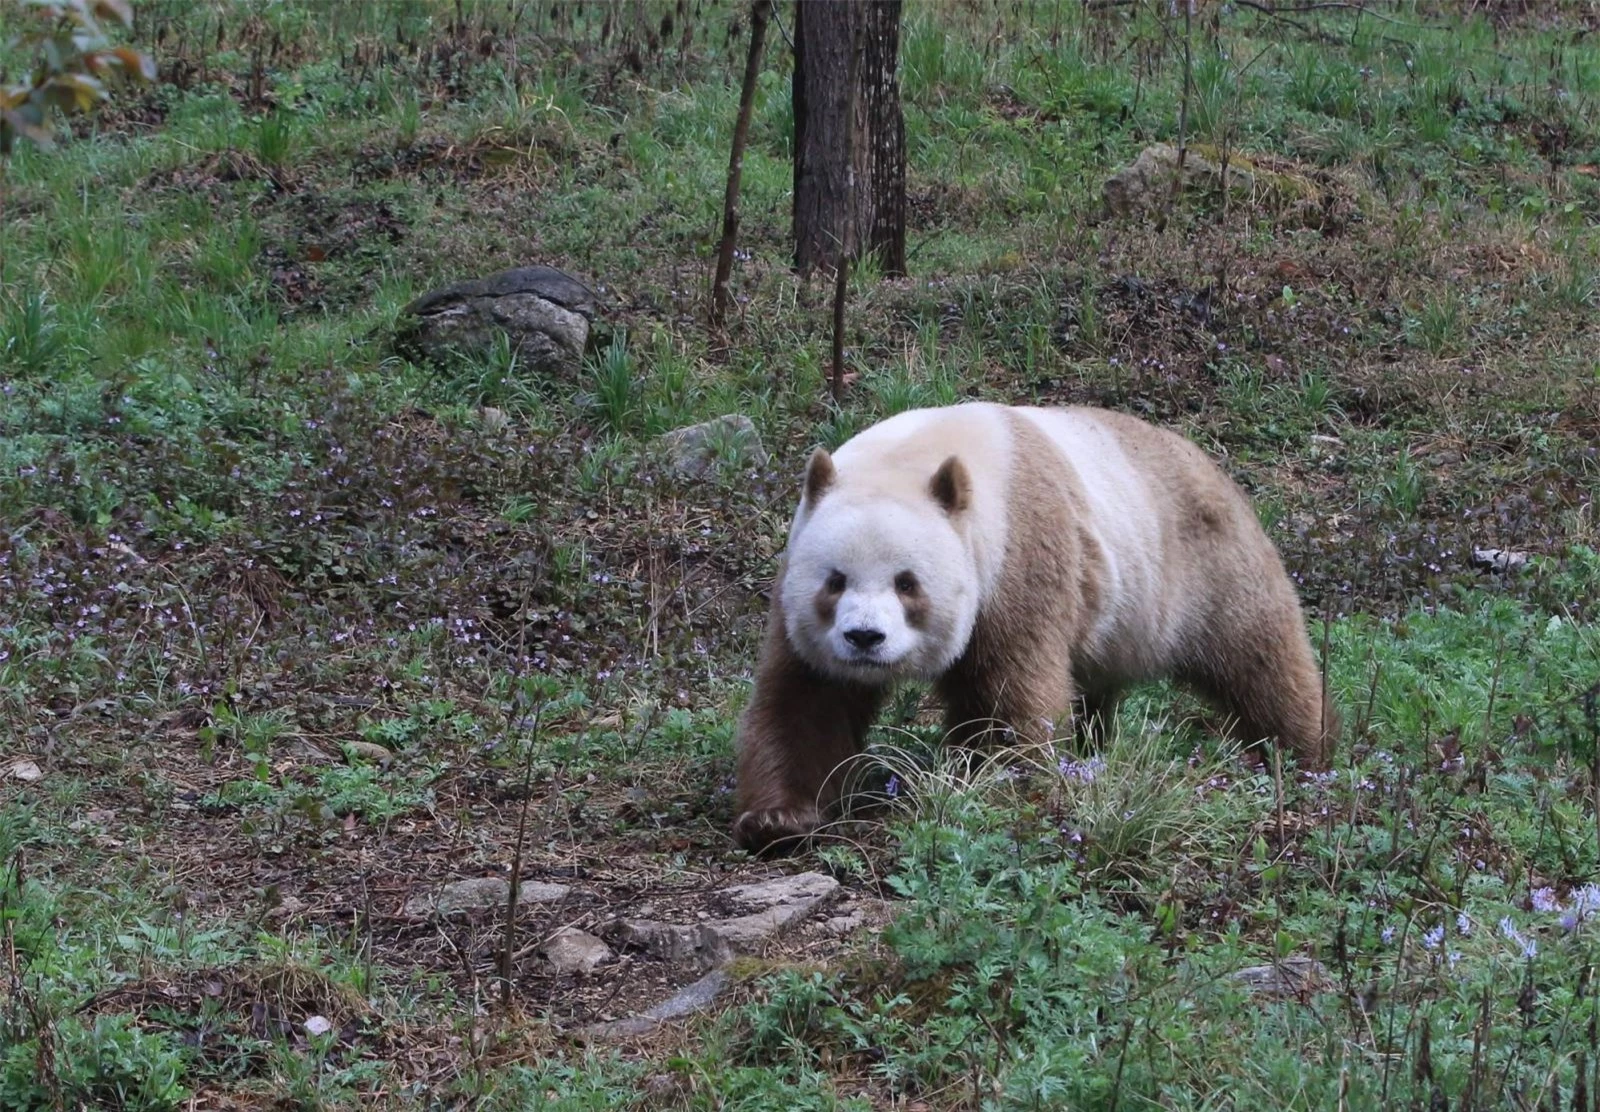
463,897
769,907
543,312
697,944
774,905
686,1001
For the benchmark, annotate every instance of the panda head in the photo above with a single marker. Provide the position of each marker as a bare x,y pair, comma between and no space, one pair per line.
879,583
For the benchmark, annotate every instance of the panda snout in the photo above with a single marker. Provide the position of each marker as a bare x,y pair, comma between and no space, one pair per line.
864,637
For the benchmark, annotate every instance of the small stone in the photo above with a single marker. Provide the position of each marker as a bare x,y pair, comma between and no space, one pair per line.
661,1086
493,421
693,452
318,1025
1294,976
369,751
841,925
477,894
1498,559
287,908
25,770
573,951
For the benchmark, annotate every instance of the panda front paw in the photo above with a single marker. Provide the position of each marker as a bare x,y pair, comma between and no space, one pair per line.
775,830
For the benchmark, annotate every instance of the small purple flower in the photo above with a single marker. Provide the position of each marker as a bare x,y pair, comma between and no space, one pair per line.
1463,923
1433,938
1082,771
1509,930
1387,935
1544,900
893,786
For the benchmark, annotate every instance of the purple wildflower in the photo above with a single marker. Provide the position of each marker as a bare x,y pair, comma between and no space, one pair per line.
1082,771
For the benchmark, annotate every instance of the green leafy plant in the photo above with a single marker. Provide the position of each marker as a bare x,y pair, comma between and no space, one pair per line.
72,60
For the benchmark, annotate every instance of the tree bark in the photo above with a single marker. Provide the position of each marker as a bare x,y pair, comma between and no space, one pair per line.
832,221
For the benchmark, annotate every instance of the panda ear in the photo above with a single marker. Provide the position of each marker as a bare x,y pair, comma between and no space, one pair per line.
951,486
819,475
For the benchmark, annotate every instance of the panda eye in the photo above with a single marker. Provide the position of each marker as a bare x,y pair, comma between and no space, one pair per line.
836,582
905,583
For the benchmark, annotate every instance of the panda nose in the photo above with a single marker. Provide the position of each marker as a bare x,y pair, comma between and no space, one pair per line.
864,638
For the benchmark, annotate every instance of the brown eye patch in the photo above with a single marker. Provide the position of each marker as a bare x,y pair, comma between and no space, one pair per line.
827,599
913,600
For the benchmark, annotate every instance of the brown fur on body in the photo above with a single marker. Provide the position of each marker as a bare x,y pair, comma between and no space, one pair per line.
1233,627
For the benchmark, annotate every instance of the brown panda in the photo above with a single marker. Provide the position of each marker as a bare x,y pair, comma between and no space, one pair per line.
1019,559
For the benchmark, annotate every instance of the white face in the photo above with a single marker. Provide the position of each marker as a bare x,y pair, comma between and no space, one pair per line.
878,591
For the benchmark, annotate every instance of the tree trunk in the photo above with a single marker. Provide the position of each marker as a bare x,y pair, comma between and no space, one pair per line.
864,213
759,12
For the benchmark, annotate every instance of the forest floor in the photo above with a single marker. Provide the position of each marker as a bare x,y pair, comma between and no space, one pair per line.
294,631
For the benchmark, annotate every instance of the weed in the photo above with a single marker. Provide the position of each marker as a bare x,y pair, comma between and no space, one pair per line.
614,386
30,340
275,139
1404,486
1437,327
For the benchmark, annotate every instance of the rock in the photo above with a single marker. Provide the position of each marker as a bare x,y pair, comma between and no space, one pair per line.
629,1028
774,904
287,908
693,452
25,770
574,951
1498,559
770,906
368,751
661,1086
841,925
1295,976
686,1001
699,944
466,896
545,313
492,420
318,1025
1145,186
694,998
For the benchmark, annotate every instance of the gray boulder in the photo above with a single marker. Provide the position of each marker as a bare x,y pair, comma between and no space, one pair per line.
544,312
693,452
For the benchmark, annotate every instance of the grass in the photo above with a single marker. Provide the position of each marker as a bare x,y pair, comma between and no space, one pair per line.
243,535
